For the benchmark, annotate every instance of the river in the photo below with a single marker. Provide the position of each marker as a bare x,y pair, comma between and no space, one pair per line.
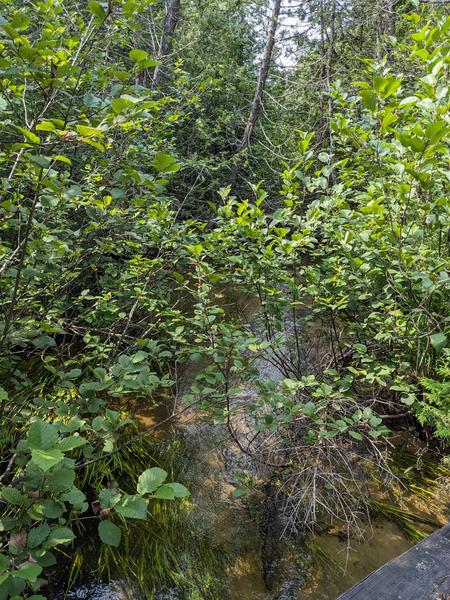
260,561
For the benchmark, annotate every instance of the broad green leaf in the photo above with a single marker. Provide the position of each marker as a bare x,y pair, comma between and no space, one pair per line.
165,492
179,490
97,9
46,126
132,507
52,509
8,523
4,563
28,571
109,533
14,496
369,99
109,498
60,480
42,435
60,536
74,496
138,55
86,131
46,459
438,340
165,163
120,104
37,535
44,557
29,135
62,158
150,480
71,442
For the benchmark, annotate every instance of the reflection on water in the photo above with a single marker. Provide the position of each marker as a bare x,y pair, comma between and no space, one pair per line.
383,541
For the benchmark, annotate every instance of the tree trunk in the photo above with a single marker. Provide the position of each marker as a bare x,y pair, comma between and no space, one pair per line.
327,49
262,78
165,44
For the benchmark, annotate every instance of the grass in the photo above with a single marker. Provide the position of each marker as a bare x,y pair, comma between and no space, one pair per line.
160,554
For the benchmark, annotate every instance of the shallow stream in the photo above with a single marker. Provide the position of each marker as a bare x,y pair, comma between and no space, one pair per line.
261,564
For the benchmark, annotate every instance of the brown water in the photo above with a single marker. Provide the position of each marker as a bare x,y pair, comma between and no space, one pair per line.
383,540
233,527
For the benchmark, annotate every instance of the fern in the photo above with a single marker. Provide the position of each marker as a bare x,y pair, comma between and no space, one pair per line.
434,410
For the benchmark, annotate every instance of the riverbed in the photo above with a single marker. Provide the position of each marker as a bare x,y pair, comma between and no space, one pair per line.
260,559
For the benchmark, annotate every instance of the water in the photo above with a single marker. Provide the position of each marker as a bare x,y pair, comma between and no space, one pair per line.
260,565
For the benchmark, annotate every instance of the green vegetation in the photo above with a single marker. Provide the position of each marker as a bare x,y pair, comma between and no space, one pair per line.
131,212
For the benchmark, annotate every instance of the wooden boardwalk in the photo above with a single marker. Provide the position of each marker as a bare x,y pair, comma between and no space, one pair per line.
421,573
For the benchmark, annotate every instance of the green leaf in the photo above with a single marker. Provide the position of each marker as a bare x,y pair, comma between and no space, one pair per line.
408,400
28,571
29,135
61,480
109,498
138,55
60,536
37,535
71,442
8,523
132,507
109,533
13,496
165,163
150,480
121,104
44,341
356,435
97,9
179,490
44,557
52,509
438,341
42,435
4,563
46,126
74,496
63,159
46,459
74,424
369,99
86,131
165,492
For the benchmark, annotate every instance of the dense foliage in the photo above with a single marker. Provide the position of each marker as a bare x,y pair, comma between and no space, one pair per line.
122,243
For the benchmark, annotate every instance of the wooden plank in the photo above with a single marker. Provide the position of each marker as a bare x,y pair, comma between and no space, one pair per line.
421,573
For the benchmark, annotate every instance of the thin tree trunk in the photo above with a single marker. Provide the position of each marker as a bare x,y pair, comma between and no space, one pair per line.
260,85
329,73
165,44
327,49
